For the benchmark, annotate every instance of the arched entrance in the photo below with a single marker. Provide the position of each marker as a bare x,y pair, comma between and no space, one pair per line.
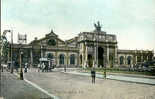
90,60
129,60
121,60
62,59
100,56
72,59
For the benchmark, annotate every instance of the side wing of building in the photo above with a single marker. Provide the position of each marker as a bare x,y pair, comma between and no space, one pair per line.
64,53
133,57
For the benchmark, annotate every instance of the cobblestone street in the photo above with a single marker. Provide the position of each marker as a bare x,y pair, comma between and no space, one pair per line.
13,88
70,86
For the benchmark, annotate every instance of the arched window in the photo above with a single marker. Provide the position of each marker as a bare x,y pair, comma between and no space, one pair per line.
61,59
50,55
72,59
129,60
121,60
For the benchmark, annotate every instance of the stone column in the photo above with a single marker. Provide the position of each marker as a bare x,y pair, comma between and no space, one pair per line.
80,61
132,61
56,58
77,59
83,54
142,58
125,60
9,53
115,59
95,56
118,60
107,56
136,59
67,59
86,56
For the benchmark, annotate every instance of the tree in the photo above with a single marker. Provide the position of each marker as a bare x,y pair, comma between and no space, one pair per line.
4,48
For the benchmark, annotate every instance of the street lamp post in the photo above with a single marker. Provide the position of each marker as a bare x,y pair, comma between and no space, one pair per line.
105,68
21,70
12,67
41,50
21,39
105,59
97,40
65,66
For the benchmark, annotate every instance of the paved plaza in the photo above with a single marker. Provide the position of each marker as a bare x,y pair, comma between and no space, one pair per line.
71,86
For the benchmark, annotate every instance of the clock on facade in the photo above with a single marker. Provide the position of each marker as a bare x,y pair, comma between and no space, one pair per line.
51,42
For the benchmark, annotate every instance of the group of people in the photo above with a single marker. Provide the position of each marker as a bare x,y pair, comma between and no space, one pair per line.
46,68
15,65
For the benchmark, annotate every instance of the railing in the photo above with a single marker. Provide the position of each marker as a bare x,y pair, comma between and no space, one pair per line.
101,38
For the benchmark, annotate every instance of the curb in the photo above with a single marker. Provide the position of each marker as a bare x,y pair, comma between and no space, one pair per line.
112,78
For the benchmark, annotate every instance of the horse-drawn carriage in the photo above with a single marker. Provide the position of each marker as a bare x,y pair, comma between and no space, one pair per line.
46,64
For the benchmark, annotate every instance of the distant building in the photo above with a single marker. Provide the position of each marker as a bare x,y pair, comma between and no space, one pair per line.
95,48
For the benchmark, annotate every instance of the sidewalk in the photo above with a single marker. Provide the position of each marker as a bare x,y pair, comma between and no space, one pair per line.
123,74
119,77
13,88
133,75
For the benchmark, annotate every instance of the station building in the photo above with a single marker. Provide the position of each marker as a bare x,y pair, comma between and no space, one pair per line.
95,48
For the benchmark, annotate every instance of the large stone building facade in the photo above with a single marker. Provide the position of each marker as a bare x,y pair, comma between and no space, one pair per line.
96,48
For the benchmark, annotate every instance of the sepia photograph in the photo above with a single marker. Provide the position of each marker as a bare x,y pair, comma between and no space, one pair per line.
77,49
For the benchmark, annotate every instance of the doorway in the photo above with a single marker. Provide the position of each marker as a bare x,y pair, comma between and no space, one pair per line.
100,57
90,60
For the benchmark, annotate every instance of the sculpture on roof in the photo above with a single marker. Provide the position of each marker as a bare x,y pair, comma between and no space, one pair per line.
51,31
97,26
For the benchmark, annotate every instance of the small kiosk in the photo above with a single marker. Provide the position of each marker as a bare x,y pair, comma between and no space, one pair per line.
46,64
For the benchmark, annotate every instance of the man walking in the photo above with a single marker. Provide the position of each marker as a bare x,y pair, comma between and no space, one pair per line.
93,75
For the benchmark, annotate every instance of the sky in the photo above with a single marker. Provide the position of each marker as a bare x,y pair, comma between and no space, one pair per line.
132,21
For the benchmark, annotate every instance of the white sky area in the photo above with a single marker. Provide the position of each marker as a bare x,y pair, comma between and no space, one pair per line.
133,21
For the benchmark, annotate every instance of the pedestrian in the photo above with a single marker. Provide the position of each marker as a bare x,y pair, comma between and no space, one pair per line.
43,67
93,75
25,69
39,67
